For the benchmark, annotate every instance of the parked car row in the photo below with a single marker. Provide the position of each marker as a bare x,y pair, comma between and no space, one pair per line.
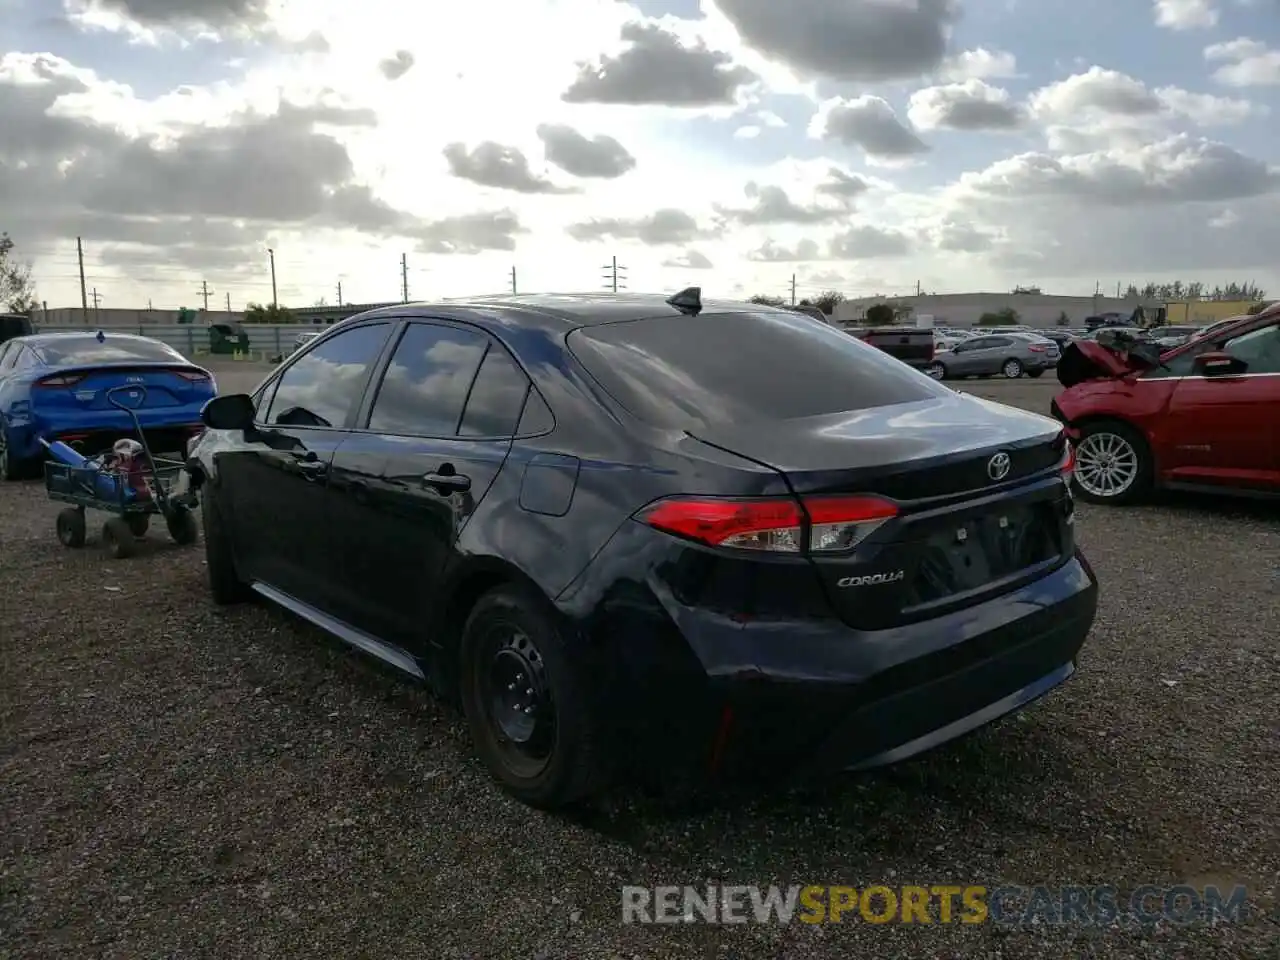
1007,354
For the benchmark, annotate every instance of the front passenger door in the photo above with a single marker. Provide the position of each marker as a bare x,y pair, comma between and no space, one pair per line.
1225,428
967,357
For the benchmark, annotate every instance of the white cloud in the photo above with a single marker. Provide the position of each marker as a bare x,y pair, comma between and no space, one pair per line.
1186,14
1245,63
674,152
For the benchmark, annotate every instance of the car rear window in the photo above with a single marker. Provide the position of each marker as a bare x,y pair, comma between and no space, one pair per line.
83,350
678,372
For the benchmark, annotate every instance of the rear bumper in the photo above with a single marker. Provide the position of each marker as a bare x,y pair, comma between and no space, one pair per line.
823,699
167,431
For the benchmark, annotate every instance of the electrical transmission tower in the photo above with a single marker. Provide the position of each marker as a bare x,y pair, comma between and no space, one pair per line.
615,276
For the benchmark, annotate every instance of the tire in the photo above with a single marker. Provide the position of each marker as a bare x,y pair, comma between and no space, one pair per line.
509,640
139,523
936,370
1011,369
182,527
1124,445
71,527
225,585
118,538
11,470
1035,374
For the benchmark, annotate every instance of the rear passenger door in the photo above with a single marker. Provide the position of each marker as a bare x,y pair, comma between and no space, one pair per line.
432,437
967,358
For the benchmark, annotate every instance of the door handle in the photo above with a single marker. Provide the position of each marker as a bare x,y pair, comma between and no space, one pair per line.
447,482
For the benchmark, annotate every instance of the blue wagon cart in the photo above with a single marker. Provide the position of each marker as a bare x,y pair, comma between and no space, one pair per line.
132,496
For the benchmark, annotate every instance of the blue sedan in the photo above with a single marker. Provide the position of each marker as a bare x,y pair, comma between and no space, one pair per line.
54,385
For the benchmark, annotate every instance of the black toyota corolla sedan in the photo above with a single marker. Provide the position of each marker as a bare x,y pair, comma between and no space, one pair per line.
643,534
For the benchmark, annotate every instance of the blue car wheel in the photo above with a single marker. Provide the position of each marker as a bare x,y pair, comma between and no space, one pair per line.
10,467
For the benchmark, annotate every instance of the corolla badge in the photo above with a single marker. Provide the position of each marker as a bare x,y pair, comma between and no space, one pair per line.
998,466
871,579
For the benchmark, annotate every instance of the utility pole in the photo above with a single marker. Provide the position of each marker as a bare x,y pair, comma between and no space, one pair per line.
204,292
793,289
404,278
1097,288
513,281
97,299
615,276
339,293
917,288
228,301
84,299
272,255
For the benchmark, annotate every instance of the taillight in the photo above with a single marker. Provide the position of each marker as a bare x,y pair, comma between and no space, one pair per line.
1068,465
841,523
835,524
1036,348
61,380
193,375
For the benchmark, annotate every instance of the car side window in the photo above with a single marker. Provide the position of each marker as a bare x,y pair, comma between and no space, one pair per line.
426,384
999,341
323,387
497,397
979,343
1260,349
21,359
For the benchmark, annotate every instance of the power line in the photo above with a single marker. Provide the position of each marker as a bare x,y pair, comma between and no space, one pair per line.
614,276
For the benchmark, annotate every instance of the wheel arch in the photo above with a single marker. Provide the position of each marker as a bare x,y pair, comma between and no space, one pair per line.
463,590
1091,419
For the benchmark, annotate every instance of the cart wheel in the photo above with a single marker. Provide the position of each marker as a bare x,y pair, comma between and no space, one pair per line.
182,526
118,538
138,523
71,527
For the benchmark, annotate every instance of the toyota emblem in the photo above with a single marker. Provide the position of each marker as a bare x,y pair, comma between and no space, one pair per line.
998,466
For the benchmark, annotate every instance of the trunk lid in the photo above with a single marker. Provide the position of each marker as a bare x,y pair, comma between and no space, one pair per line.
981,504
85,388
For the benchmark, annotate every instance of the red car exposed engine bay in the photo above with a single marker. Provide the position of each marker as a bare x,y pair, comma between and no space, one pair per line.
1203,416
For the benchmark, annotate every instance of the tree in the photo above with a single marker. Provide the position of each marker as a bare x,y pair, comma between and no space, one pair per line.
1261,305
767,301
1195,290
1000,318
828,300
17,290
1035,291
880,315
1063,319
270,313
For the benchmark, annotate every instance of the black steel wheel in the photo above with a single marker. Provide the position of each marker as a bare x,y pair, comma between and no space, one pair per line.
182,526
71,527
531,717
118,538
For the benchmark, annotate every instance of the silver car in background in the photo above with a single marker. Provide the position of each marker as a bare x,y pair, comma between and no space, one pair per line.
1002,354
302,339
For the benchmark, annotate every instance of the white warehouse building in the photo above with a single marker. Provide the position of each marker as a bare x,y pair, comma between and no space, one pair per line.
965,309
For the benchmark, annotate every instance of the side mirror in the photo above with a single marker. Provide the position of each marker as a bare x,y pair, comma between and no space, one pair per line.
233,411
1217,363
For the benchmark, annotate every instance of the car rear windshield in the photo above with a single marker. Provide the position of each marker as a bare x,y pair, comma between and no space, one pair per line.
77,351
680,372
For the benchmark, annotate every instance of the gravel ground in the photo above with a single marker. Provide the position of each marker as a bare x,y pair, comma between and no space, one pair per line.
181,781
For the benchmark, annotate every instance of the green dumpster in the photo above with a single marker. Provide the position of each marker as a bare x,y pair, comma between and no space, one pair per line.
228,338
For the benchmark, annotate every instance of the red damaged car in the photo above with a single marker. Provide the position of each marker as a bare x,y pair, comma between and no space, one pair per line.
1203,416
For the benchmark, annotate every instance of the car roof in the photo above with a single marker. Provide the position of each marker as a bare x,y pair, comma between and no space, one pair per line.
559,311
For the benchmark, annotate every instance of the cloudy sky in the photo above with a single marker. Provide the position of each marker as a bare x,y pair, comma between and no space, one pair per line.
865,145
